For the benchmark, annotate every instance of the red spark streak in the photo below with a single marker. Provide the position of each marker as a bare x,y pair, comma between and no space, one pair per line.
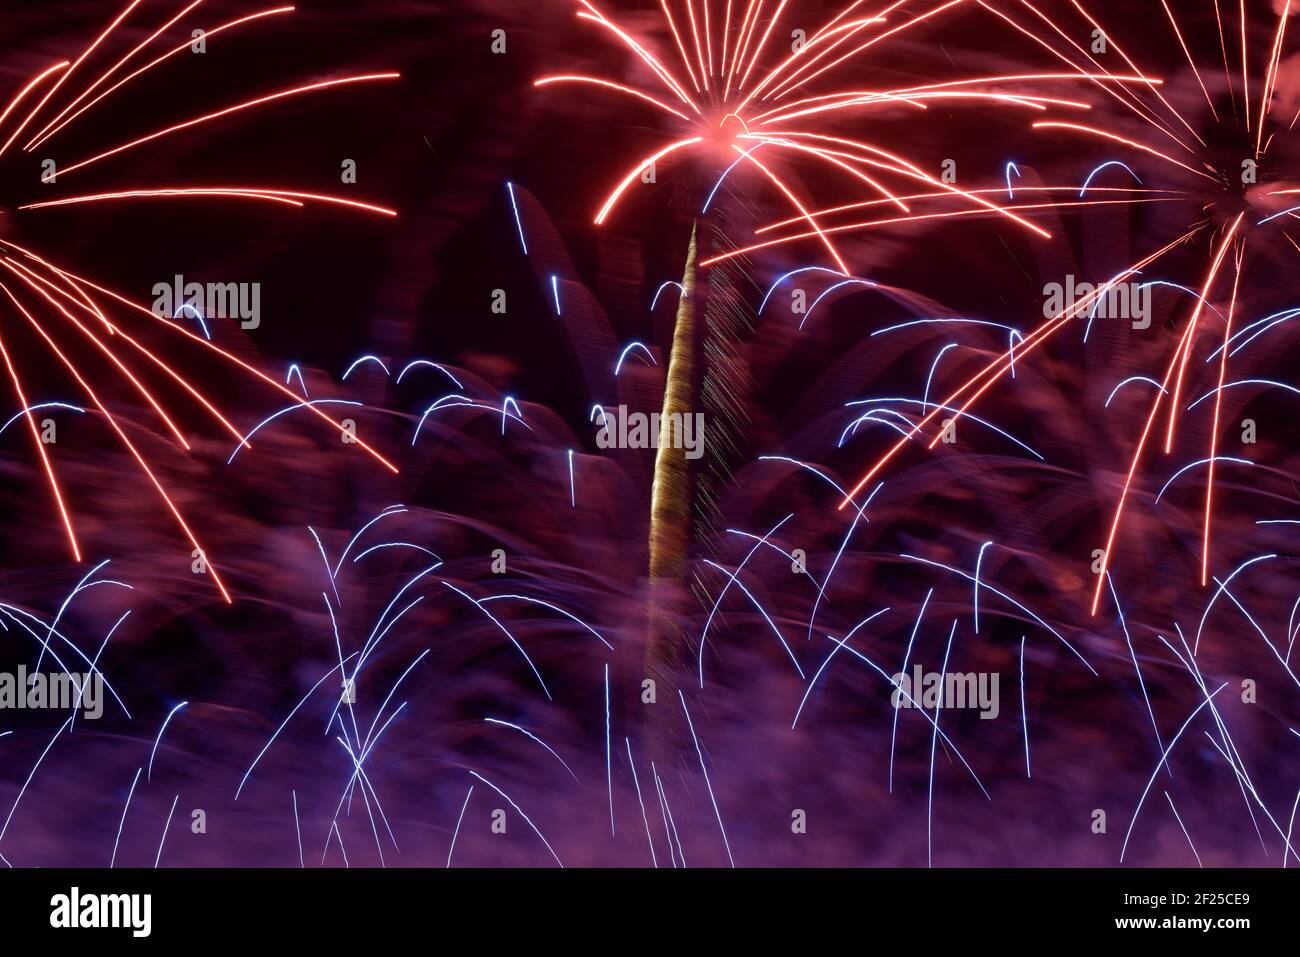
182,47
797,205
610,84
126,441
60,288
636,171
222,352
287,197
1214,431
994,370
1106,134
27,89
180,380
1182,350
1070,188
139,386
35,140
72,69
261,100
40,450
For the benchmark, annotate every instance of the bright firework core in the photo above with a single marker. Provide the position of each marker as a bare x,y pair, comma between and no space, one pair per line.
748,103
724,134
1242,181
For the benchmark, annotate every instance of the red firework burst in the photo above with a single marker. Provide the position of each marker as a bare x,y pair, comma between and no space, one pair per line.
728,96
47,296
1203,151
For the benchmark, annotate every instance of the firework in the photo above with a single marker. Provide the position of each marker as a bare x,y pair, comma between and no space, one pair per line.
746,101
492,634
1210,157
53,300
